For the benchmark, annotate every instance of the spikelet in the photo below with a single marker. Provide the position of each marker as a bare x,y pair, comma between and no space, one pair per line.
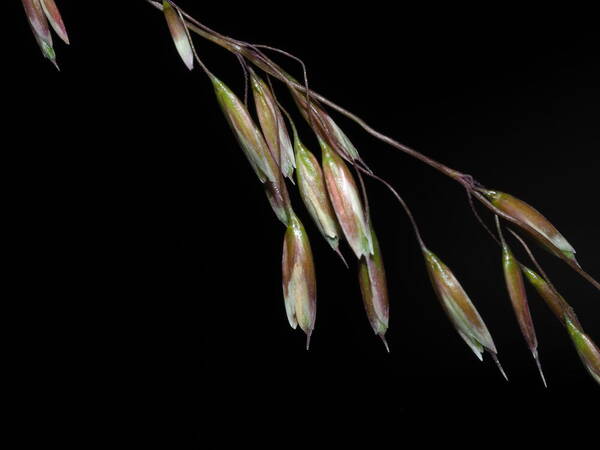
373,286
586,349
459,308
255,148
311,184
299,281
346,202
55,19
39,26
518,298
557,304
325,127
526,214
273,126
179,34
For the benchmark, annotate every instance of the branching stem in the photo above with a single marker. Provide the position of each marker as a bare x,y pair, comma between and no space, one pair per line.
254,54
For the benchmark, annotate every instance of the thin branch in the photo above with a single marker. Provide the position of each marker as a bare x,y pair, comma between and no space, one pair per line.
402,202
533,259
480,220
242,62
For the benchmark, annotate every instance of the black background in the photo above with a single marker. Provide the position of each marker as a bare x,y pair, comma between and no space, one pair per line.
156,241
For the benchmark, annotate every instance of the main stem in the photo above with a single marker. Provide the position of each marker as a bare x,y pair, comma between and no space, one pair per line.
247,51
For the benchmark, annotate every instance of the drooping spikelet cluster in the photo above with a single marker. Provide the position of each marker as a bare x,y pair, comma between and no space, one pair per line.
328,188
338,204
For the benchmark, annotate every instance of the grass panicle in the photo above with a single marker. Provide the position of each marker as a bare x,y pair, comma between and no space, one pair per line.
338,206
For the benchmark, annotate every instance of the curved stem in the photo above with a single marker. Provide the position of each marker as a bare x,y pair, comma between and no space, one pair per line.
499,228
264,63
402,202
480,219
242,62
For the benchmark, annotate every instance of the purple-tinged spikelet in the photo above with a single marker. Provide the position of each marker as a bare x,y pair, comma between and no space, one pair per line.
39,26
179,34
373,286
55,19
459,308
518,298
255,148
299,281
278,197
247,133
345,198
273,126
325,127
311,184
524,213
340,137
